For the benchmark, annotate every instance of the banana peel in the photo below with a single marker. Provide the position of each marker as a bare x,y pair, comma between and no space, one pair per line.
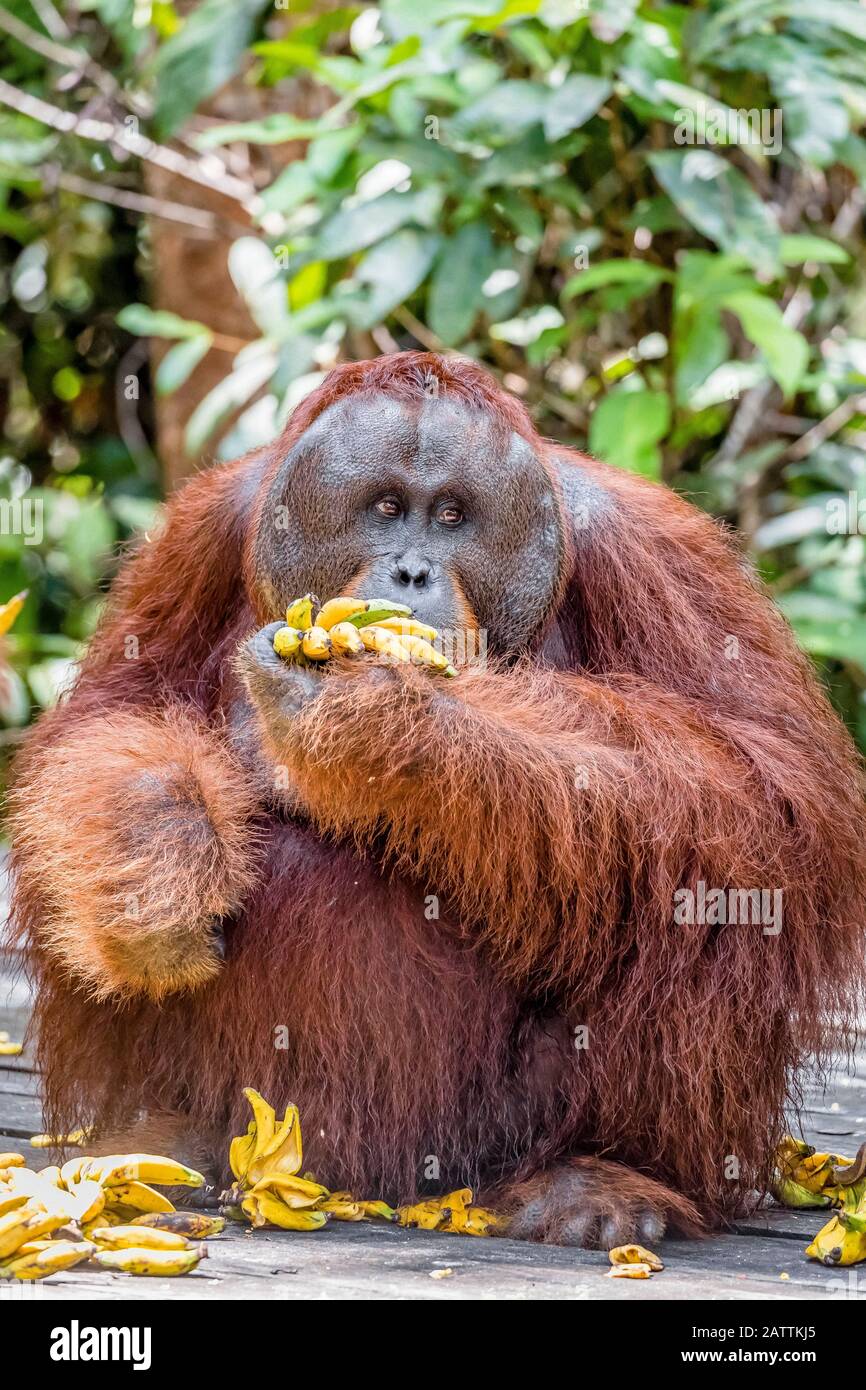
805,1179
453,1214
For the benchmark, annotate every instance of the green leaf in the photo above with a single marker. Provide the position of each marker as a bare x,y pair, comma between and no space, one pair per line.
797,249
639,274
626,427
157,323
201,57
503,114
720,202
275,129
785,351
570,105
456,293
355,227
392,272
180,362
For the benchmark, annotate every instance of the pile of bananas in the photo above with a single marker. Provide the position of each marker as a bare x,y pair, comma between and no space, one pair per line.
100,1210
805,1178
347,626
266,1162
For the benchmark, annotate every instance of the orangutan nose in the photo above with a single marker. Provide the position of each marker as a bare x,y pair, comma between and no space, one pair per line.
411,570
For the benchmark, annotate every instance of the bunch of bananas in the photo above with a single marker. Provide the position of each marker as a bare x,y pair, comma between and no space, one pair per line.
97,1209
346,626
805,1178
266,1162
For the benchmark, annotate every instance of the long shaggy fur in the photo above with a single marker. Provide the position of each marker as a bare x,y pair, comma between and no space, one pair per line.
664,731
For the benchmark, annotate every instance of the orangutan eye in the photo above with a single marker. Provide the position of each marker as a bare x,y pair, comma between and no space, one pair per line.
388,507
449,514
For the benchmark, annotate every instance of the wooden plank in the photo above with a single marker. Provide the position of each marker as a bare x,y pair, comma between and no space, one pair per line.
356,1262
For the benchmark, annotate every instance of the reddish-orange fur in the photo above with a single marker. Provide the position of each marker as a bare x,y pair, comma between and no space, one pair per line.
553,807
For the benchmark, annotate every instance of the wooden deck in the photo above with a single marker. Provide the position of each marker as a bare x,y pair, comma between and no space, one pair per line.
763,1259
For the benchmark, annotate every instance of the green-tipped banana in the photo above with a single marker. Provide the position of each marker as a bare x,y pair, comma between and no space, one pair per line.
377,609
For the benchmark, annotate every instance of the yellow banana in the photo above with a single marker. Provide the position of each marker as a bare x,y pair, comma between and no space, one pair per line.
12,1160
338,610
379,1210
841,1242
10,1049
44,1194
316,644
345,640
144,1168
57,1255
137,1238
184,1223
293,1191
60,1141
139,1260
300,612
9,611
138,1196
105,1218
287,642
89,1199
408,627
384,643
422,654
74,1170
11,1201
634,1255
343,1210
27,1223
472,1221
638,1271
426,1216
263,1208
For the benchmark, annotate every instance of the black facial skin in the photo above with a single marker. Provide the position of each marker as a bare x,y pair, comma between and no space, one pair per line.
428,503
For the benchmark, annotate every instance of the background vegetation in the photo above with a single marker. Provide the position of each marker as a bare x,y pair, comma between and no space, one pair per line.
506,180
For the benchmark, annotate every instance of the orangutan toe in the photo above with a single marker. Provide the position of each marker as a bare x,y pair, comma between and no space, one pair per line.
594,1204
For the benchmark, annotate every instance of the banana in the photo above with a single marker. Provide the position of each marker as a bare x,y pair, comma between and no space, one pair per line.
343,1210
9,612
300,613
426,1216
378,1210
57,1255
44,1194
263,1208
422,654
293,1191
139,1260
345,640
137,1196
10,1049
60,1141
841,1242
408,627
143,1168
12,1160
89,1200
287,642
634,1255
137,1238
639,1271
339,610
27,1223
794,1195
184,1223
377,609
472,1221
316,644
11,1201
384,643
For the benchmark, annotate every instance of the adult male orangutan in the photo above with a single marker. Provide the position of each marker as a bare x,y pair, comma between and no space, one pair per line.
228,866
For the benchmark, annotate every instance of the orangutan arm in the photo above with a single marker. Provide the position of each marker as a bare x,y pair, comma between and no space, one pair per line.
132,833
539,805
